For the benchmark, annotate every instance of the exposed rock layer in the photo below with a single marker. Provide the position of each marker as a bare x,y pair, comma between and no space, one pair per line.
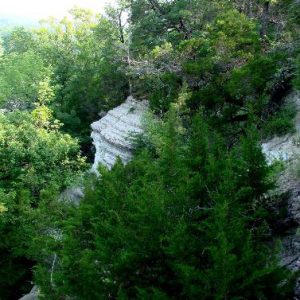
111,134
287,149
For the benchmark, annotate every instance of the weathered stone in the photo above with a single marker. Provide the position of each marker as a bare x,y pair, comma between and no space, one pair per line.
72,194
111,134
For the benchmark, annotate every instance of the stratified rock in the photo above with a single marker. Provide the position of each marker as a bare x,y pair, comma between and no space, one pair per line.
111,134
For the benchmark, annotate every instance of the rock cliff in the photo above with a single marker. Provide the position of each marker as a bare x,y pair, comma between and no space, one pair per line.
287,149
111,134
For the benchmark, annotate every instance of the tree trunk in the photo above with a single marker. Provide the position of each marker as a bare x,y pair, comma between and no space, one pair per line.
250,9
121,30
265,19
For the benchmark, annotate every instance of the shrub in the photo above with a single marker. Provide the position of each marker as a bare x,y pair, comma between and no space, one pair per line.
281,123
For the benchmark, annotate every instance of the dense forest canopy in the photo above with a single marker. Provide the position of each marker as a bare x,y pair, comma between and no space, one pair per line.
189,217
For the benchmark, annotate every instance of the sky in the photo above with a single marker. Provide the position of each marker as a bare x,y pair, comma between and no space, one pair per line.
39,9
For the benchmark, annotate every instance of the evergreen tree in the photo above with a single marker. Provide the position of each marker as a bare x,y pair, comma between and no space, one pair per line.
180,229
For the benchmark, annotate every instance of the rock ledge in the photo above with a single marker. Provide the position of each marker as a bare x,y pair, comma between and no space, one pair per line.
111,134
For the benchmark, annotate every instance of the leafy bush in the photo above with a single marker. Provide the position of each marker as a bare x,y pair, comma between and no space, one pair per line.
164,89
35,161
20,75
281,123
251,80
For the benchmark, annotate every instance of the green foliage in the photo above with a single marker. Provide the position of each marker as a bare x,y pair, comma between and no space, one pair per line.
14,268
164,90
32,156
155,22
88,68
234,35
188,217
182,224
20,75
281,123
230,71
208,61
34,159
251,80
80,59
19,40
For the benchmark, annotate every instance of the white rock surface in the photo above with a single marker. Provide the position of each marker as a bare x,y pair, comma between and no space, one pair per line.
111,134
72,194
287,147
281,148
33,295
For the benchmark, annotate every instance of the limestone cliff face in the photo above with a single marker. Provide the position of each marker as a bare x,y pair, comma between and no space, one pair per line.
111,134
287,149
